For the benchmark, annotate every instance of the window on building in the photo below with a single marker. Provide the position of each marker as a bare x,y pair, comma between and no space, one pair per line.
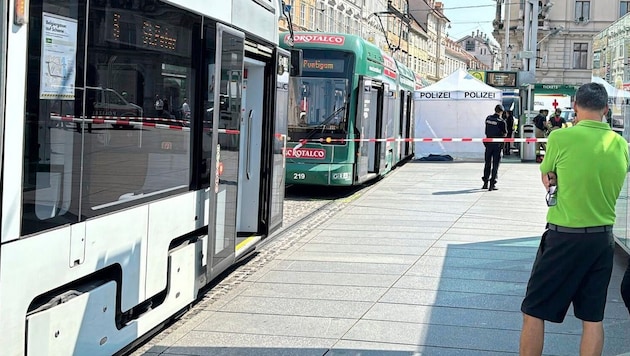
302,15
322,19
331,19
470,45
311,17
580,55
582,10
340,22
348,25
624,8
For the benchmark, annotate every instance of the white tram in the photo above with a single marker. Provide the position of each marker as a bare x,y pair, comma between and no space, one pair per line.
141,147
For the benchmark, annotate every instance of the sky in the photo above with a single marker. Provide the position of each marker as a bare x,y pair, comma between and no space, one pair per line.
467,16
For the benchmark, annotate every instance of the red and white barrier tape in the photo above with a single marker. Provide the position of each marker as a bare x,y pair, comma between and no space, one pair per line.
422,139
142,118
114,120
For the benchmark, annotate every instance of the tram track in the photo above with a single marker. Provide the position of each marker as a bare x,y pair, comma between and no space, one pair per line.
303,211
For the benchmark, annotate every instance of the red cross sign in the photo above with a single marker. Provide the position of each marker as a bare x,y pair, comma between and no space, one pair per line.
555,104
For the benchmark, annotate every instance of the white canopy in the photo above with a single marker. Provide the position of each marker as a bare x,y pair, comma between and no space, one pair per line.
454,107
612,91
460,85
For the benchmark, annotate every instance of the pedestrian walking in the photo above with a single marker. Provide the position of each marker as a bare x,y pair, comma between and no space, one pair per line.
508,117
495,128
186,109
574,262
540,124
556,121
159,105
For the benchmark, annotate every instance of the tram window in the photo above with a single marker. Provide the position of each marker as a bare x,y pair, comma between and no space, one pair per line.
126,162
316,107
52,148
318,98
88,149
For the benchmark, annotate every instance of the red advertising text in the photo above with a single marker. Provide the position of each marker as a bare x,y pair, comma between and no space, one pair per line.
306,153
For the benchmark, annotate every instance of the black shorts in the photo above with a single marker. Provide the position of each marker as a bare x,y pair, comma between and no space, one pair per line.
569,268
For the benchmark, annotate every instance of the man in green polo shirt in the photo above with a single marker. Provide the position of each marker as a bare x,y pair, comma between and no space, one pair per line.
575,257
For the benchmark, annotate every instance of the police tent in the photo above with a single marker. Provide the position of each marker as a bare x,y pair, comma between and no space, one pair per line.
454,107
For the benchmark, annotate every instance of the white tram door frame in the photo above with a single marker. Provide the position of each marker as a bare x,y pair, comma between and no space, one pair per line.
3,75
248,201
222,246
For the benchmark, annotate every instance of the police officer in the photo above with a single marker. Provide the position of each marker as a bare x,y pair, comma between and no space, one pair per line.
495,128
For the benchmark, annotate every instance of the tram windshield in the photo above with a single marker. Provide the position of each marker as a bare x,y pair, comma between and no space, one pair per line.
320,102
319,99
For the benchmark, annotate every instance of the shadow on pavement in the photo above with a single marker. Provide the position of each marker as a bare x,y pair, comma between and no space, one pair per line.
455,192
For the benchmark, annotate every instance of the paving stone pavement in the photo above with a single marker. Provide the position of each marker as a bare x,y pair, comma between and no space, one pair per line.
421,263
300,213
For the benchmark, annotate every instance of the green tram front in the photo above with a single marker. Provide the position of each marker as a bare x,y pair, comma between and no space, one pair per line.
318,151
349,111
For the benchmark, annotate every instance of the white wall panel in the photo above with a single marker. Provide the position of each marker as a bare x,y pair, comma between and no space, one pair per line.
253,17
14,133
168,219
217,9
121,238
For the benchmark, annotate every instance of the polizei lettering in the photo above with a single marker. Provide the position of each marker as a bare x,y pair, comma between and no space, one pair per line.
435,95
307,153
479,95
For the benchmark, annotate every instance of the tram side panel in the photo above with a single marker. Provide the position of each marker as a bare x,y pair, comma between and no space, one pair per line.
113,226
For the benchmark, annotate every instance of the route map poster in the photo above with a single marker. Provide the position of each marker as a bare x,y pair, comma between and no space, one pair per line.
58,60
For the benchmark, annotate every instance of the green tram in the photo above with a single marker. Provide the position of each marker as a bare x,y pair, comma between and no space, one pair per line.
349,111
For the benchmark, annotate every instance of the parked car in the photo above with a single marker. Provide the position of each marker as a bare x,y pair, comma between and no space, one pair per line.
107,102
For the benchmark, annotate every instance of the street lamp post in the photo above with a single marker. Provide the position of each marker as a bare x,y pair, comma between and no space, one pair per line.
528,55
507,65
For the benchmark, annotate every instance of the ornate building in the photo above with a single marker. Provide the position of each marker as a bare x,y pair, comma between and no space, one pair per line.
413,31
565,36
480,45
457,57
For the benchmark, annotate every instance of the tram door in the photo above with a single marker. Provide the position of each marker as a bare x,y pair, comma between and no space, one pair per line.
225,87
368,121
406,121
384,123
250,147
280,139
410,125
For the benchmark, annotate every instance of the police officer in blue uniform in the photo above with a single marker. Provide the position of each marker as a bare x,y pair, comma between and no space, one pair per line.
495,128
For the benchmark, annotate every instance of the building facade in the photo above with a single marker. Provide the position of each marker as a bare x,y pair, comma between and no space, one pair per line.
457,57
325,16
413,31
564,53
480,45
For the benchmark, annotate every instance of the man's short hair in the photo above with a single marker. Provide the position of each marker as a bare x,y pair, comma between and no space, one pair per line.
498,109
591,96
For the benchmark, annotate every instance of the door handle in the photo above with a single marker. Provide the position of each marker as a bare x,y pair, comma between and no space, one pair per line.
248,145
